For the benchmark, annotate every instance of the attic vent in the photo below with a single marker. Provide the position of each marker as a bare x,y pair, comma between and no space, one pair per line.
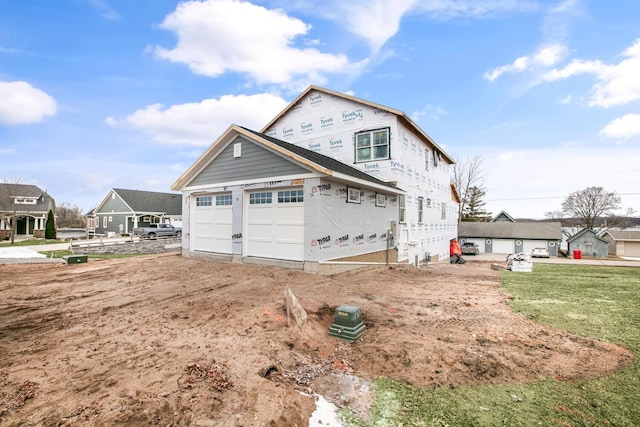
237,149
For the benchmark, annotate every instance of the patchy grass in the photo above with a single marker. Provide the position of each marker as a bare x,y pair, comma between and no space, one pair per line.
598,302
31,242
61,253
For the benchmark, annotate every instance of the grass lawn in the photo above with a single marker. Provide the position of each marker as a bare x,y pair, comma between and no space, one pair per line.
593,301
30,242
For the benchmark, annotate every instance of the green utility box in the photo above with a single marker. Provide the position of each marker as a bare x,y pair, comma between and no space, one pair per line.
74,259
347,323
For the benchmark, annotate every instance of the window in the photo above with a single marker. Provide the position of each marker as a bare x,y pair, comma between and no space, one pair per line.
353,195
428,202
204,201
372,145
401,208
290,196
444,211
260,198
426,159
420,209
381,200
223,200
104,222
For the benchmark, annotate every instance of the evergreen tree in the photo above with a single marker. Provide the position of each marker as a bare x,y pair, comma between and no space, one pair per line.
474,209
50,230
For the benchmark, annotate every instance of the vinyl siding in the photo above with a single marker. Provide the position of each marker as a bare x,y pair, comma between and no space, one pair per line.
255,162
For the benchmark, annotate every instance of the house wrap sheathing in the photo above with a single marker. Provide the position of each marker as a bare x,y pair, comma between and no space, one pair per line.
303,192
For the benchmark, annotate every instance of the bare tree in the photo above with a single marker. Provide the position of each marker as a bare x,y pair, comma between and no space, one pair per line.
591,204
68,216
8,191
467,173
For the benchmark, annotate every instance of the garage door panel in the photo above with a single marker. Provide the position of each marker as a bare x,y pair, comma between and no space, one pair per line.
632,249
275,225
502,246
530,245
212,224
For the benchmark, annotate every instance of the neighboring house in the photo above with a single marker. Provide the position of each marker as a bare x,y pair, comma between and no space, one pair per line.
503,217
28,206
623,242
332,178
122,210
588,243
506,237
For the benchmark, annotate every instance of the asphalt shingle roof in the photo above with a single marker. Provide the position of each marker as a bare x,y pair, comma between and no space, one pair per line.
322,160
624,234
150,201
511,230
7,191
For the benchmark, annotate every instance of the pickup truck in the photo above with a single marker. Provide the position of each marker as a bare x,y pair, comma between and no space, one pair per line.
157,230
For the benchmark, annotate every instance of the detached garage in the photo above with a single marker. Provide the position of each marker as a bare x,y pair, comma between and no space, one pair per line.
253,198
507,237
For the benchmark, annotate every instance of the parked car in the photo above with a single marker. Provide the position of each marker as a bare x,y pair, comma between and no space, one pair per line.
470,248
157,230
540,253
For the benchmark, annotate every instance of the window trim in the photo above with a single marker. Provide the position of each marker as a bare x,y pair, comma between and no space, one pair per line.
381,200
371,145
420,210
104,221
353,195
402,209
443,214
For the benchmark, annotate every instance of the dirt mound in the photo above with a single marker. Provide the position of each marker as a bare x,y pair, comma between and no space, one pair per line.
167,340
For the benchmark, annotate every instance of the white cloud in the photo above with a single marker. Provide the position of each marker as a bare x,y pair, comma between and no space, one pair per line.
624,127
376,21
21,103
545,57
617,84
202,123
215,37
433,112
104,8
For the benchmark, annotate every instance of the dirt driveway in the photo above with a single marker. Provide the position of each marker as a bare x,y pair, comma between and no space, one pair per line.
167,340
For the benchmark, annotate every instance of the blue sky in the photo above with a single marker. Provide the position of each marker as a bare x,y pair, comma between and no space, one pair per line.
97,94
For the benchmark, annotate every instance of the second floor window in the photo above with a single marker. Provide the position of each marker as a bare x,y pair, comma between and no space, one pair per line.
372,145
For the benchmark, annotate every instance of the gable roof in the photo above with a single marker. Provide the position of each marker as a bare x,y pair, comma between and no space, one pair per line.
511,230
151,201
626,235
583,232
308,159
504,215
404,119
9,191
146,201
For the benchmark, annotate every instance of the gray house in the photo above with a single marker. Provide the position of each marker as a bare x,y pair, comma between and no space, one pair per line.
506,237
27,206
588,243
623,242
122,210
256,199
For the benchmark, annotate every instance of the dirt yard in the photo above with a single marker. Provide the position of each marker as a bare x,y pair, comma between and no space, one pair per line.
172,341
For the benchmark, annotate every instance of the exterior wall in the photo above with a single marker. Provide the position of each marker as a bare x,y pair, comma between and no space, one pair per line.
335,229
254,162
327,124
116,212
518,244
590,245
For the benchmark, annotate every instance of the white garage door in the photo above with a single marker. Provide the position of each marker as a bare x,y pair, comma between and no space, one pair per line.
529,245
479,242
275,224
211,227
632,249
503,246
